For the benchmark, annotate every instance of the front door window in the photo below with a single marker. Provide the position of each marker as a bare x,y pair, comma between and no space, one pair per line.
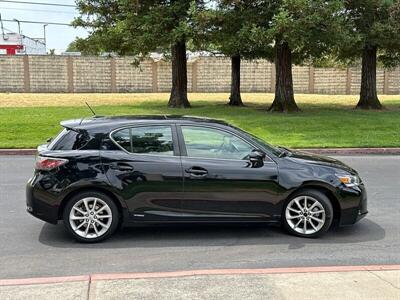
203,142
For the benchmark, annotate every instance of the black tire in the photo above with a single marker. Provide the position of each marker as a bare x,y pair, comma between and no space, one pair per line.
114,222
323,200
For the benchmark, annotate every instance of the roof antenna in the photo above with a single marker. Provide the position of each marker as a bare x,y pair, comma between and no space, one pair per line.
94,114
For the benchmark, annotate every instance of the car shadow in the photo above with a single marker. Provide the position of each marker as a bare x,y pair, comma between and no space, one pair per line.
212,235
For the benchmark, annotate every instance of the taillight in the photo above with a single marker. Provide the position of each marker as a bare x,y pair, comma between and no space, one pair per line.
49,163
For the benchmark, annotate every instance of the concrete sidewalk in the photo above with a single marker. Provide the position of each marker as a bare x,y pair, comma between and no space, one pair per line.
301,283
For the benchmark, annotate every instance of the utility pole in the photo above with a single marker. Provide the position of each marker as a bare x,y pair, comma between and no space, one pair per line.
44,36
2,28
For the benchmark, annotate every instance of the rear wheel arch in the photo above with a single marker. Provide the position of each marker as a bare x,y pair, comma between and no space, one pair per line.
73,193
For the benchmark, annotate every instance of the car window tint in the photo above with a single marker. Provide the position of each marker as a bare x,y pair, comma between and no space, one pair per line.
213,143
123,138
71,140
146,140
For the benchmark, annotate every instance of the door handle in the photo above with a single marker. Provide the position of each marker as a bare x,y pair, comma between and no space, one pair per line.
197,172
122,167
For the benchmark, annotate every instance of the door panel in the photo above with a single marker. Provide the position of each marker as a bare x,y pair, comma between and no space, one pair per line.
219,180
230,189
150,183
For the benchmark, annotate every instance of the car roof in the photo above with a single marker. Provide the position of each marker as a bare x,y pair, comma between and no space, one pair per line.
119,121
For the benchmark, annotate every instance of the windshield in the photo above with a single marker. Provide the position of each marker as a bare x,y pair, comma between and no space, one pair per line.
274,150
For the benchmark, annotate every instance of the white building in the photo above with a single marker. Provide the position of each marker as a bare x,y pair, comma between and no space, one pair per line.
19,44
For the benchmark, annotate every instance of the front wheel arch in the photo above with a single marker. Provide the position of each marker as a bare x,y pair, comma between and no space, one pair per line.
331,196
326,215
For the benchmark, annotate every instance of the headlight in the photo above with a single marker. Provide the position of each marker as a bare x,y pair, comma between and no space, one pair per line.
348,180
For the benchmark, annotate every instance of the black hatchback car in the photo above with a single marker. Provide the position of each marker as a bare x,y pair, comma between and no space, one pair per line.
101,172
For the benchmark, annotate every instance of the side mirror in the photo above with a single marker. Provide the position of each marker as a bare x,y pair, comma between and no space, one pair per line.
256,158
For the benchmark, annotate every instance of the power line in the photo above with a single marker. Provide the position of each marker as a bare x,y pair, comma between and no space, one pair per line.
38,3
37,22
40,10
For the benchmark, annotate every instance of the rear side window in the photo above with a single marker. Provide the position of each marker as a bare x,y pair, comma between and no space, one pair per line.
146,140
70,140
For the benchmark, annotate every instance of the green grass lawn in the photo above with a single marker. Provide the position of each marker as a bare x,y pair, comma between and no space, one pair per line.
324,121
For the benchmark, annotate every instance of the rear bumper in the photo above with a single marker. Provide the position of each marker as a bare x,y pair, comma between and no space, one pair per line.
36,206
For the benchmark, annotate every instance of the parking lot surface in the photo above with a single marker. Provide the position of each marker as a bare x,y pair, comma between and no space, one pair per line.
31,248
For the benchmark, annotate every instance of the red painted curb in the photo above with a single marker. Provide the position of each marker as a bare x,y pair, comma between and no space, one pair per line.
17,151
43,280
121,276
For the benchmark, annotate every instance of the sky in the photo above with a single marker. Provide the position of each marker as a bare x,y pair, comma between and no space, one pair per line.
58,37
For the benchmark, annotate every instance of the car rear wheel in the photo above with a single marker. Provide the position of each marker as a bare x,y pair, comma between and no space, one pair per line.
308,213
91,217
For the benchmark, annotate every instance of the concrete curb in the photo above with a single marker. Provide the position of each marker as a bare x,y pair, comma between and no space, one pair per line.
323,151
122,276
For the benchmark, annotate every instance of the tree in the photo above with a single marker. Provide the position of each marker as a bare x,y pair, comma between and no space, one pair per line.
85,47
298,31
73,47
376,37
228,30
141,27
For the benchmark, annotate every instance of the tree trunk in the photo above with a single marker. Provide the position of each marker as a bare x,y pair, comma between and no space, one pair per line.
368,95
235,98
178,96
284,96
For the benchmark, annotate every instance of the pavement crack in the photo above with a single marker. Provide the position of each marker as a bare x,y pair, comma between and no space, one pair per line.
89,295
383,279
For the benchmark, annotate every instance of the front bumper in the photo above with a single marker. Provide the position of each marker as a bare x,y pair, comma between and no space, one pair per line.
353,204
37,205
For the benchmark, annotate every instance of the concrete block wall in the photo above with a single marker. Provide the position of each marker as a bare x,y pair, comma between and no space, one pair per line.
92,74
255,76
11,74
132,78
66,74
330,81
393,81
301,78
48,74
213,74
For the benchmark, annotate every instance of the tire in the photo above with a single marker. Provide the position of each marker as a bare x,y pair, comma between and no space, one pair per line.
318,219
102,221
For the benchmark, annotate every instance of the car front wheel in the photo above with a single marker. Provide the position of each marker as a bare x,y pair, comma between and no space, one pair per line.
308,214
91,217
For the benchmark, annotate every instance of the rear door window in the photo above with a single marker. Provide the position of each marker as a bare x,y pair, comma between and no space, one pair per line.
146,140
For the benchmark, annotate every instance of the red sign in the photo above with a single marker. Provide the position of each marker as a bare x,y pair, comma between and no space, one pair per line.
11,49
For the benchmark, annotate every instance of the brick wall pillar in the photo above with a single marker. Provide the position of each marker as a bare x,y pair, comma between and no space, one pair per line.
70,74
194,76
311,79
113,67
27,75
154,76
386,82
348,81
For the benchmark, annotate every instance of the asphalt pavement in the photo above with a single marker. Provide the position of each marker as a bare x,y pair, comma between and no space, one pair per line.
31,248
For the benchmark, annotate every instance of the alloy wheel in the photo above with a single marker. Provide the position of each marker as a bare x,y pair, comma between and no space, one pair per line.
305,215
90,217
